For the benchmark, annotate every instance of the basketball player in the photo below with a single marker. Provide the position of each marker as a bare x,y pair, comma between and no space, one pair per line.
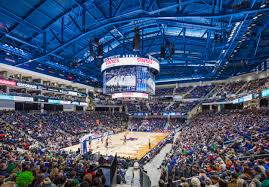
106,143
149,144
125,139
90,143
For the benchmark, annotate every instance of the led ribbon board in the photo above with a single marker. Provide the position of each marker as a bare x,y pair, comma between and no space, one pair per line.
130,95
130,61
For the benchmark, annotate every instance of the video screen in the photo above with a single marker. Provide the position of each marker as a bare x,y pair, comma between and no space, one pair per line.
128,79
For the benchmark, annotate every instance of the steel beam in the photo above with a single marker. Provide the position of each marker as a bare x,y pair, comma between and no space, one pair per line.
39,4
110,8
152,41
142,4
55,36
83,19
265,26
20,20
103,26
117,9
150,4
208,41
62,29
18,40
100,10
184,39
75,23
26,43
216,16
258,42
60,16
172,7
44,43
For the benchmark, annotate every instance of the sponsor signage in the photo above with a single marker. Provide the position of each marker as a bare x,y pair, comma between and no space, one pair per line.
6,97
27,99
7,82
265,93
54,101
41,99
82,94
72,93
53,90
75,103
235,101
243,99
16,98
26,85
248,98
63,92
65,102
130,61
130,95
83,104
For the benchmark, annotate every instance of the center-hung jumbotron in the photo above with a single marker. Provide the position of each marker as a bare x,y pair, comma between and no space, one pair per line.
129,76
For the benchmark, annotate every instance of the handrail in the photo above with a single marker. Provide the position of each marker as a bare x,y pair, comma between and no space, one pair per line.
251,156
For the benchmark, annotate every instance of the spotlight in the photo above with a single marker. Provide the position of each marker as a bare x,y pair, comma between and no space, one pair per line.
96,42
100,51
162,52
91,49
172,50
136,39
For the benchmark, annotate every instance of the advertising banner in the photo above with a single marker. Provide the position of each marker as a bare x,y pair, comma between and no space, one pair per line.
7,82
130,61
26,85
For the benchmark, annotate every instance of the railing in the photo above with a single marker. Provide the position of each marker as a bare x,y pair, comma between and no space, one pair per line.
144,179
109,172
113,167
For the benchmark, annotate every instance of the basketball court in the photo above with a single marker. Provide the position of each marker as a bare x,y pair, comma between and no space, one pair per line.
136,146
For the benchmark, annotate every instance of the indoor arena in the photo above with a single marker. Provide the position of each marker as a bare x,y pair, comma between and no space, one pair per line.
134,93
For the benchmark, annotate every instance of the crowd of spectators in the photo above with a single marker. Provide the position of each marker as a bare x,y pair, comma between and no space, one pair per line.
220,149
27,157
175,123
62,129
200,91
133,107
148,125
233,87
38,167
158,106
182,90
182,107
255,86
164,91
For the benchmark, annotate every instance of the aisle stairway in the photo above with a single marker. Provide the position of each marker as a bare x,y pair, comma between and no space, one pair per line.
166,125
148,106
188,92
242,88
170,104
130,180
152,167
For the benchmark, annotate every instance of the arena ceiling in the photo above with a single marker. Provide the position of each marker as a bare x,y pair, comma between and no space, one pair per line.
211,39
